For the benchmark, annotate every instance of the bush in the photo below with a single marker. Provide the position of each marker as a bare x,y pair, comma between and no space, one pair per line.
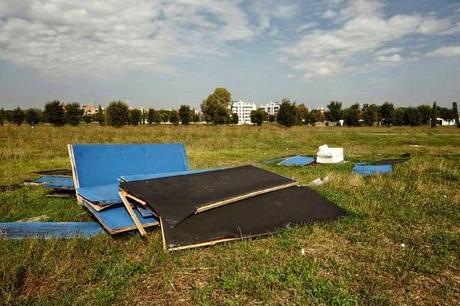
54,113
32,116
117,113
352,114
99,116
174,117
185,114
73,114
258,116
135,116
18,116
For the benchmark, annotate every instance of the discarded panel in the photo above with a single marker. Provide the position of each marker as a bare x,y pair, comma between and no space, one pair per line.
175,198
297,160
116,219
55,172
371,169
48,230
55,182
256,216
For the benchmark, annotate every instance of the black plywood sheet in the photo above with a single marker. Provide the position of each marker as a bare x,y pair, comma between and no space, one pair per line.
175,198
252,217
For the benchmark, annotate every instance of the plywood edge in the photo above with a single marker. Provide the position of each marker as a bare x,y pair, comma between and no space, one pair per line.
165,248
74,173
243,197
131,212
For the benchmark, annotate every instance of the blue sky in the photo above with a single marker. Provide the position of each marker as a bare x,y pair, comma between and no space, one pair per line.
161,54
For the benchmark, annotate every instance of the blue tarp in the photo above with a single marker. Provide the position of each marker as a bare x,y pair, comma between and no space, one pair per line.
103,164
47,230
297,160
364,169
116,219
55,182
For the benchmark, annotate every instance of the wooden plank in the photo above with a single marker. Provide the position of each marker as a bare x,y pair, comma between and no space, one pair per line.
132,214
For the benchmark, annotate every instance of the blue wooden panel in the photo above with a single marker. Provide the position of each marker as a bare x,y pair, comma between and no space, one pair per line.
140,177
56,182
363,169
48,230
297,160
116,219
144,211
103,164
101,195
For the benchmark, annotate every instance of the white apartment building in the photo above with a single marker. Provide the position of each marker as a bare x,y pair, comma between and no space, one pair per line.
271,108
243,110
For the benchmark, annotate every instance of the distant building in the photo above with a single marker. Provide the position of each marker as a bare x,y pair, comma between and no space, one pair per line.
441,121
271,108
89,110
243,110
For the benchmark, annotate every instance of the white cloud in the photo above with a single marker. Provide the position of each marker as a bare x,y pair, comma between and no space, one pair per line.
446,51
306,26
97,37
364,34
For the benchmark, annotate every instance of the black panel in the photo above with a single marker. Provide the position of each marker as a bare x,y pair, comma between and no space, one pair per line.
251,217
175,198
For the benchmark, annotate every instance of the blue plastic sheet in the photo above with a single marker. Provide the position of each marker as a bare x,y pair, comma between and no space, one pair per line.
48,230
364,169
101,195
103,164
56,182
297,160
116,219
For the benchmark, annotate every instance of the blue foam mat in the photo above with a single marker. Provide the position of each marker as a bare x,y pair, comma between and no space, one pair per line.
103,164
48,230
116,219
365,169
56,182
297,160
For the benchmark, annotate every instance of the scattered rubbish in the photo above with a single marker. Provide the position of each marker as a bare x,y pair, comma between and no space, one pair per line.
203,191
54,182
251,217
302,251
404,158
55,172
47,230
297,160
319,182
327,155
366,169
403,245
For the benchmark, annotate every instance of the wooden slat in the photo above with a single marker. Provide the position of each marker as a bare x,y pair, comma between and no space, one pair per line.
132,214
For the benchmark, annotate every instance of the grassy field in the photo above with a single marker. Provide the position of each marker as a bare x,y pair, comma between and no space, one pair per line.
400,245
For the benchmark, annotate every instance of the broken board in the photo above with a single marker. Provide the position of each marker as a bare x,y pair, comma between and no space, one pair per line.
178,197
48,230
252,217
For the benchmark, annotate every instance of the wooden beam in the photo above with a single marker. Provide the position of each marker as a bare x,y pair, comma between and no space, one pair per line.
132,213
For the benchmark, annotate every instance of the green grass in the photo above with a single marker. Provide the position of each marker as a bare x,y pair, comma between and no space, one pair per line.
356,260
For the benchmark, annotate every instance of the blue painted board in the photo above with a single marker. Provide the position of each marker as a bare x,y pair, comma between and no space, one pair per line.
55,182
297,160
48,230
116,219
101,195
103,164
364,169
144,211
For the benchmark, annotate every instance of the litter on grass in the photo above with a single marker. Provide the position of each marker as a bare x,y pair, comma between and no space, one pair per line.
48,230
365,169
297,160
327,155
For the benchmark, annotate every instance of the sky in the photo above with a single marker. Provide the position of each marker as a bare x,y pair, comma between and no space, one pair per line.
161,54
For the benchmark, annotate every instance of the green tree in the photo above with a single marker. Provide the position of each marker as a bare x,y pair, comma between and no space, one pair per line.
287,114
412,116
399,116
73,114
185,114
334,113
18,116
370,115
2,116
151,116
87,119
272,118
174,117
425,113
387,113
164,115
99,116
195,116
235,118
314,116
135,116
455,113
32,116
352,115
302,114
117,113
55,113
215,104
258,116
434,115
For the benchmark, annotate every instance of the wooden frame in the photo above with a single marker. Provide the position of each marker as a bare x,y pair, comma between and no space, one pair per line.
131,212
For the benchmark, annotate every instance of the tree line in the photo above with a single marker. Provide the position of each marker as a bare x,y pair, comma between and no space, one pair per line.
216,109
